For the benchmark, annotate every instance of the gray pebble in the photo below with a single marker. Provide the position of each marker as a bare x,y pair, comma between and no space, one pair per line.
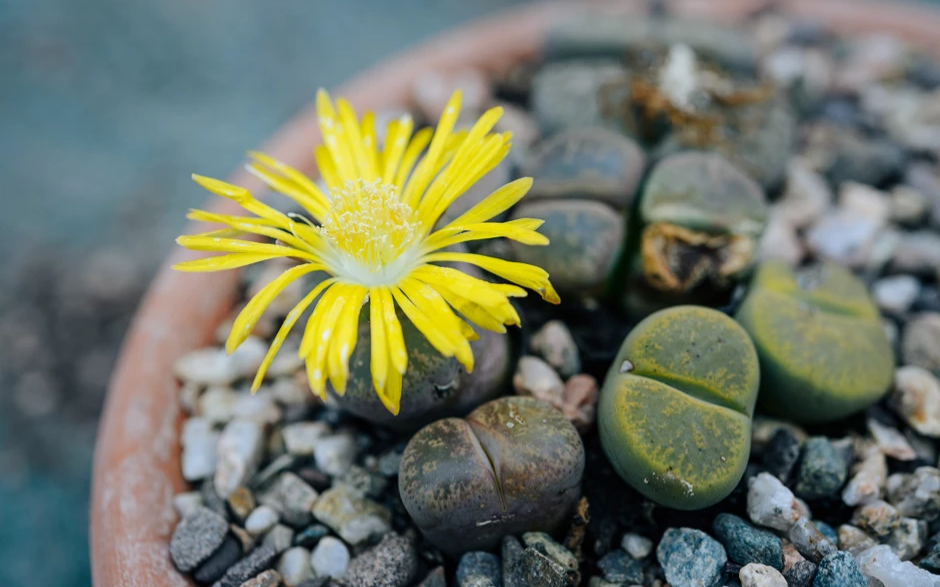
292,497
854,540
364,481
220,561
259,559
196,538
839,570
355,518
916,494
917,252
896,294
619,567
554,343
541,570
262,519
269,578
239,451
822,470
301,438
809,541
199,441
393,562
908,538
330,558
479,564
565,95
279,538
877,518
919,342
690,558
389,463
334,454
782,454
746,544
801,574
513,563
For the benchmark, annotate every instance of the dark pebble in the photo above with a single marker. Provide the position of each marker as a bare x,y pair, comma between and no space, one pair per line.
618,566
865,161
196,538
822,470
746,544
513,563
801,574
435,578
257,560
690,558
310,536
393,562
543,571
211,498
216,565
839,570
931,561
474,564
782,454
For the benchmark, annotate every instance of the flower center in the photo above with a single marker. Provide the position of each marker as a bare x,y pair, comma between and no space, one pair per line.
372,232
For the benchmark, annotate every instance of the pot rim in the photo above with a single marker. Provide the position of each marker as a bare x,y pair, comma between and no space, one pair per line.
137,453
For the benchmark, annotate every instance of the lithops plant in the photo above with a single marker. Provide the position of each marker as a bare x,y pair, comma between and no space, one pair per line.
702,219
675,411
437,386
584,180
823,351
513,465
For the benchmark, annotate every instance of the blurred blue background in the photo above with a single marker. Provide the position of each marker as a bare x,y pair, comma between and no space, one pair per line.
106,107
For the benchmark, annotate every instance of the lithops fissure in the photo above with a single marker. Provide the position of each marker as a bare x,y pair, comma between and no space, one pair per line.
675,412
513,465
823,351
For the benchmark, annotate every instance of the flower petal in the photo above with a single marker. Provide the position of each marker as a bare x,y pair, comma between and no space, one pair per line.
530,276
222,262
397,352
496,203
379,349
343,341
415,187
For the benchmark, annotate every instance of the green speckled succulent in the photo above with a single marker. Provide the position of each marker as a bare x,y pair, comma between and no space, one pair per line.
437,386
675,411
513,465
823,352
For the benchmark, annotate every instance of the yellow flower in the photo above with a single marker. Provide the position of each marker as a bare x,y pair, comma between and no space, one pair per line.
373,236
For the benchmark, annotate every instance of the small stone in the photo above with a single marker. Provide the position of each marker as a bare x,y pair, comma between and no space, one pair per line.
554,343
294,566
690,558
897,293
240,504
534,377
317,582
579,401
479,564
639,547
891,442
620,567
909,206
757,575
780,240
246,540
782,454
542,570
199,442
311,535
807,195
436,578
828,531
907,540
211,498
916,399
196,537
355,518
261,519
292,497
269,578
800,574
389,463
881,564
544,543
330,558
868,480
809,541
916,495
213,366
216,565
764,429
259,559
291,392
302,437
854,539
771,504
217,404
919,342
393,562
917,252
746,544
931,560
839,570
791,555
279,538
334,454
877,518
258,407
364,481
187,502
845,237
513,562
566,95
239,451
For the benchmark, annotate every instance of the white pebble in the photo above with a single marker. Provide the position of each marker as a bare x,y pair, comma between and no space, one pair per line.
758,575
260,520
637,546
890,441
330,558
217,404
883,565
213,366
199,442
294,566
896,293
302,437
771,504
335,454
259,407
187,502
868,481
916,398
239,452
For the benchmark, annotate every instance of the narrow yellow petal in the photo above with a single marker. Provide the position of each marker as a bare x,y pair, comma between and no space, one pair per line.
415,187
496,203
364,164
397,352
310,338
417,144
440,317
335,139
327,169
391,395
254,309
257,226
518,230
222,262
530,276
369,141
289,321
379,348
304,191
243,197
324,333
311,370
432,332
343,342
464,292
231,245
472,311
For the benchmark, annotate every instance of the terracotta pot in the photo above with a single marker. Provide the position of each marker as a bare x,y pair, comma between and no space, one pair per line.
137,458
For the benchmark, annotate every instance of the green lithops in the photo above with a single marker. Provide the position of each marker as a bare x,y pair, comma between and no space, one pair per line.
514,465
435,386
675,411
823,351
